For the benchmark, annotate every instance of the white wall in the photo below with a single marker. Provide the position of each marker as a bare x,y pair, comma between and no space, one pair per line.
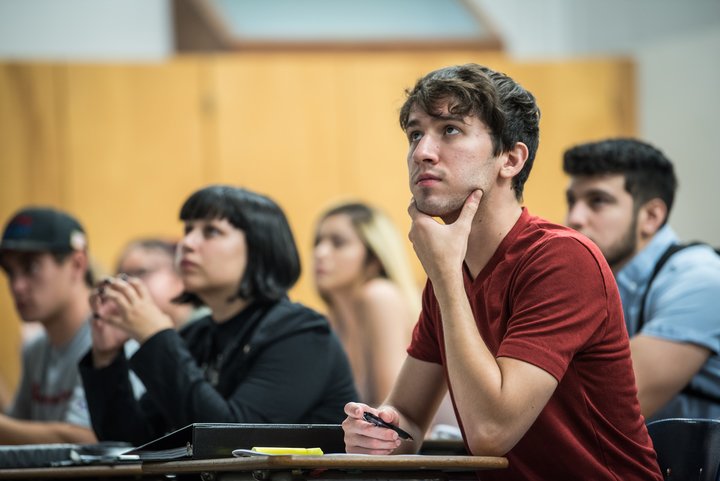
85,30
679,102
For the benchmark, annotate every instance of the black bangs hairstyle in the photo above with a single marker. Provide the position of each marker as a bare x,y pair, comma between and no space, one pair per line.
273,263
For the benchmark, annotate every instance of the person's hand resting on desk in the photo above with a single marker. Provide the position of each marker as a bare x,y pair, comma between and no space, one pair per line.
365,437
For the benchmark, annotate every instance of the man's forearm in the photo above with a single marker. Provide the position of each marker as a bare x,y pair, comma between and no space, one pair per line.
416,395
497,399
472,369
18,431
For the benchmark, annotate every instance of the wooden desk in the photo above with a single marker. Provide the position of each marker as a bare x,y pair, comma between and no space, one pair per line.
333,466
282,468
123,471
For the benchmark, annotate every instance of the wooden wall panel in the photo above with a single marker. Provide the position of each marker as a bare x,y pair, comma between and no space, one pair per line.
135,149
30,170
278,134
123,145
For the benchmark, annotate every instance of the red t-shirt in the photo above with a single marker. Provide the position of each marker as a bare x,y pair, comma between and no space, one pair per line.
547,297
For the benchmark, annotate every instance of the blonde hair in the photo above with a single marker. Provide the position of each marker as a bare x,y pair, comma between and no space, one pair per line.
383,242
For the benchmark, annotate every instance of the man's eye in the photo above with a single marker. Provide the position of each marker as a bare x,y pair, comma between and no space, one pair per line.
598,202
414,136
452,130
33,267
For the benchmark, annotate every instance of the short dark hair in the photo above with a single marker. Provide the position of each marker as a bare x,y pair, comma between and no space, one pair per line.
273,263
508,110
648,173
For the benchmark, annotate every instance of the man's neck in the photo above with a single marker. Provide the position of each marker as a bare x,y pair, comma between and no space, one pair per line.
63,326
492,223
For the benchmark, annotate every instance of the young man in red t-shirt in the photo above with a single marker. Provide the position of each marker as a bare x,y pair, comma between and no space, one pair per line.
521,318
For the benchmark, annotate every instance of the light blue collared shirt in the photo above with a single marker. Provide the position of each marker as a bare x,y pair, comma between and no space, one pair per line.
683,305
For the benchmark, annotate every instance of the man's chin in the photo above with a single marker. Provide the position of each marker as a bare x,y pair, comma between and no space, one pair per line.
435,210
432,212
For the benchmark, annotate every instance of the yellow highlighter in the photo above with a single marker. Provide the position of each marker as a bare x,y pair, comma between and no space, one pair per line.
276,451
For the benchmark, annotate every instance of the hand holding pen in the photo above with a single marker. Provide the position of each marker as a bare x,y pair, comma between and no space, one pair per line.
377,421
373,431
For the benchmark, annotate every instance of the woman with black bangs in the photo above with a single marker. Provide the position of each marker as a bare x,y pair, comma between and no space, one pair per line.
258,358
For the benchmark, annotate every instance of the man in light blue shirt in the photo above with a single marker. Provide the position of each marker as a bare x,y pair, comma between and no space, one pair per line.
620,195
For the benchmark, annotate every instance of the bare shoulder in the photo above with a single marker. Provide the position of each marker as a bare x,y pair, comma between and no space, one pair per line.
381,300
380,291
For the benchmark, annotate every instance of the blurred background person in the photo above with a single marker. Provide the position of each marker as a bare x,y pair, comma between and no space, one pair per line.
44,255
152,260
363,275
258,358
620,196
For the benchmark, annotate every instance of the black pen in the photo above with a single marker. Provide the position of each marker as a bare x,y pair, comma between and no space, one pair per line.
372,419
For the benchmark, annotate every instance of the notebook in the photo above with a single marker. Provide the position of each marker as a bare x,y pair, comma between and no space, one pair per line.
218,440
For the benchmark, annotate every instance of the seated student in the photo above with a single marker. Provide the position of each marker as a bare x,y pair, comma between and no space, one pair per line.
152,260
258,358
43,252
620,195
521,318
363,275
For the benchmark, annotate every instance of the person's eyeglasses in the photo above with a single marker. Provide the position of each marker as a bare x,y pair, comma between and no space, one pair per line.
141,273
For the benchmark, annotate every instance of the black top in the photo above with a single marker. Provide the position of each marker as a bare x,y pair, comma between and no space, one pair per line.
271,363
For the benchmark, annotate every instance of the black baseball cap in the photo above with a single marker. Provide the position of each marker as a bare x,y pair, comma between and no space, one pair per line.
35,229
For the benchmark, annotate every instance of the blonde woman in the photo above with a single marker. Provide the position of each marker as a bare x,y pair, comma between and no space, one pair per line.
363,275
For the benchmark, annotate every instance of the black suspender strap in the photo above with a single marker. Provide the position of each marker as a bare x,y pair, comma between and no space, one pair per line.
688,390
658,266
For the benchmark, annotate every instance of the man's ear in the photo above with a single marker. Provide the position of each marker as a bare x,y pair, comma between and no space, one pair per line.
79,262
514,160
651,217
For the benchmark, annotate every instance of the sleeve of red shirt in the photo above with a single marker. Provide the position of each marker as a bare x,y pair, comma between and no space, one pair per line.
559,304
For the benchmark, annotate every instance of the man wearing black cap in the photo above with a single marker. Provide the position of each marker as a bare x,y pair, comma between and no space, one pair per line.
44,254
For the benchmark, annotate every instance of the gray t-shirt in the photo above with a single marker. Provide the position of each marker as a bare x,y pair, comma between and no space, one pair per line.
51,387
